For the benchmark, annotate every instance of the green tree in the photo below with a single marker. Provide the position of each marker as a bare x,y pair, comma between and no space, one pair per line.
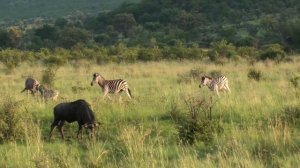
123,22
70,36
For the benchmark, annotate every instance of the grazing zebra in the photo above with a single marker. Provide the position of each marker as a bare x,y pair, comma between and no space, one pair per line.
215,84
47,93
111,86
30,85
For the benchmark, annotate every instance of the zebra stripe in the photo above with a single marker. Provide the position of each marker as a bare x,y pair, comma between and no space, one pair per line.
215,84
111,86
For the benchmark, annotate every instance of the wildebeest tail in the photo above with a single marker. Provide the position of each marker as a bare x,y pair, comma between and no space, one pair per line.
23,90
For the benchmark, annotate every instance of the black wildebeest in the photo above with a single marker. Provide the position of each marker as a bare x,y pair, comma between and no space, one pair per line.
79,111
31,85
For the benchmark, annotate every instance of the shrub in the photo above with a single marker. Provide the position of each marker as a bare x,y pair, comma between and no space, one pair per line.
11,58
250,53
198,124
291,114
221,49
188,77
48,76
55,61
149,54
255,74
295,81
273,52
11,120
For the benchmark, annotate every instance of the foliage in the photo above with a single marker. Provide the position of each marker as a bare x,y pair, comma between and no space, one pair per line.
254,74
192,75
202,23
48,76
273,52
198,124
220,50
295,81
11,120
291,114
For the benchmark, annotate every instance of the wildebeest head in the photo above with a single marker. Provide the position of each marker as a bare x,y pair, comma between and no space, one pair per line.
204,80
91,127
96,78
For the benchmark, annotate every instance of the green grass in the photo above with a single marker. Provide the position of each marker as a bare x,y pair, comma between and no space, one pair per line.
142,133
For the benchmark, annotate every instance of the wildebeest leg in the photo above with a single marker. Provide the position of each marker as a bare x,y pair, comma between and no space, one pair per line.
59,127
53,125
79,130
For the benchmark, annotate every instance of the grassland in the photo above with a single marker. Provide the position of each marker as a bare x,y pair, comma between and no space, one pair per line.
142,132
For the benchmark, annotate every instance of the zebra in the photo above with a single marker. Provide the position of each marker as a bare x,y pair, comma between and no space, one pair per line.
215,84
31,85
111,86
47,93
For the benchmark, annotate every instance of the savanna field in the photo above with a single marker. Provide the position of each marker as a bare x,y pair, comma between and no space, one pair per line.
170,122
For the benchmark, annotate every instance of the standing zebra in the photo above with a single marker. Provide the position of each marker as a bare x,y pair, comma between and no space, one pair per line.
215,84
47,93
111,86
31,85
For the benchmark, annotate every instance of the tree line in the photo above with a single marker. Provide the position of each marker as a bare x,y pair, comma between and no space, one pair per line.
166,24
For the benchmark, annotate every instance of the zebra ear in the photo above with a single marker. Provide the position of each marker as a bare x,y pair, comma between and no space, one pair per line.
202,78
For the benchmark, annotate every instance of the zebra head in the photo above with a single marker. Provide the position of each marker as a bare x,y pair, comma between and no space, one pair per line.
205,80
96,78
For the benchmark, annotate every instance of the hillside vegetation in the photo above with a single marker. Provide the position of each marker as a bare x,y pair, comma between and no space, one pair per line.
164,23
24,9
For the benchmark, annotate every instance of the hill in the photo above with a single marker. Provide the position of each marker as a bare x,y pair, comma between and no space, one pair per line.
23,9
160,23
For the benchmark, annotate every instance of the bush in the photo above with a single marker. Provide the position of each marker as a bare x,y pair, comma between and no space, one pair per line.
11,58
198,124
291,114
55,61
11,120
188,77
150,54
255,74
48,76
273,52
220,50
250,53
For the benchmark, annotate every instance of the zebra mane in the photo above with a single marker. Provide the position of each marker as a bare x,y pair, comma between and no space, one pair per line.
97,74
203,77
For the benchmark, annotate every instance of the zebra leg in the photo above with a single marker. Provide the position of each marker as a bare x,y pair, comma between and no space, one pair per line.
120,98
128,93
106,90
217,92
228,89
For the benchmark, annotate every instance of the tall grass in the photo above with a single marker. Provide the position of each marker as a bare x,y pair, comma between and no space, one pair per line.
143,132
